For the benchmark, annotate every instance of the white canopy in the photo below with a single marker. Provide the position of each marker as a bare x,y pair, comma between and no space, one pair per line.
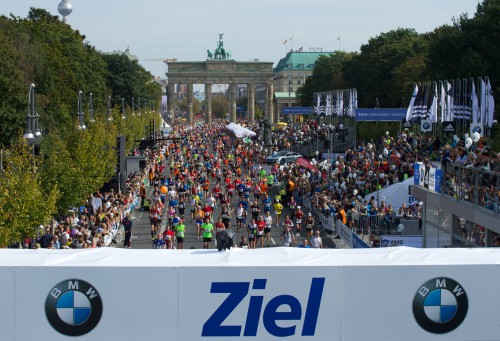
395,195
239,131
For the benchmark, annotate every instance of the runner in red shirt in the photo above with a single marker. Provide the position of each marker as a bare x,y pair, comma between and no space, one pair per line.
219,226
154,215
207,212
299,214
168,236
261,224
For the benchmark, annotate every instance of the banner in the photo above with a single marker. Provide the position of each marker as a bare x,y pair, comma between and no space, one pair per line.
388,114
263,294
449,127
297,110
306,164
425,126
427,177
476,128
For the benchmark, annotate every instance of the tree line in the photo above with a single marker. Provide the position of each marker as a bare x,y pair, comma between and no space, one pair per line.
69,163
388,65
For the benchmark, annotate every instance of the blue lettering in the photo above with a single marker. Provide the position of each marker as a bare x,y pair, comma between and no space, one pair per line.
237,292
273,311
313,303
271,315
254,309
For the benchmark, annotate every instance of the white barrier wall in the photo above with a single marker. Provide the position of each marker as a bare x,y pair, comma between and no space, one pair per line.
267,294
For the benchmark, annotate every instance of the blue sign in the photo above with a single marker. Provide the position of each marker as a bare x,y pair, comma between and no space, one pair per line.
391,114
298,110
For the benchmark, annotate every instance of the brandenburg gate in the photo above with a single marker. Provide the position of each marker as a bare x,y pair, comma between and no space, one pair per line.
219,68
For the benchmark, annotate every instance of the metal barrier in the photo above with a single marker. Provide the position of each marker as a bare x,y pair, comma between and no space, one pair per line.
475,185
322,221
366,225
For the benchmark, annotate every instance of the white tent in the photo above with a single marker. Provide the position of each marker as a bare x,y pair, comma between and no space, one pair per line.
240,131
395,195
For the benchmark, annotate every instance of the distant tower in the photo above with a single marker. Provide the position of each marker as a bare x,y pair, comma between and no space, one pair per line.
65,9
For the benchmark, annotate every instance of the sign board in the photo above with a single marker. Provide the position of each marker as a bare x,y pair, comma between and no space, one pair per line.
477,128
425,126
449,127
387,114
407,124
428,177
195,295
297,110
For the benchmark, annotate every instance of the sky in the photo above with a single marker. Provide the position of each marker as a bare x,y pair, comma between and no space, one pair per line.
256,29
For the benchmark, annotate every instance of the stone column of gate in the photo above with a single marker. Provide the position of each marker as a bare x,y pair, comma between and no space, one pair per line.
170,103
269,102
251,102
232,105
190,101
208,101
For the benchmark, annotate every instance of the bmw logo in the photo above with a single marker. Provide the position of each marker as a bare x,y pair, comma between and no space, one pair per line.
73,307
440,305
426,125
477,129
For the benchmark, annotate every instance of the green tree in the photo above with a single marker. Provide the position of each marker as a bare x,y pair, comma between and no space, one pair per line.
23,203
387,67
259,114
327,76
125,78
219,106
183,106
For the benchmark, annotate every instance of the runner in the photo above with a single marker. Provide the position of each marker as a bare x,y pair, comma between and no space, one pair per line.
207,229
298,215
180,231
267,230
309,226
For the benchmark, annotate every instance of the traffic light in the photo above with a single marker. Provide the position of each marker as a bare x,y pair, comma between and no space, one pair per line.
409,190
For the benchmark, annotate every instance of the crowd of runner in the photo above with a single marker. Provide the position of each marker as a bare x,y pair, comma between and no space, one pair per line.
203,168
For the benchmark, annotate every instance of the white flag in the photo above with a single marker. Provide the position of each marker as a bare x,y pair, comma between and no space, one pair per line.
490,106
449,102
434,106
412,103
442,99
482,105
475,105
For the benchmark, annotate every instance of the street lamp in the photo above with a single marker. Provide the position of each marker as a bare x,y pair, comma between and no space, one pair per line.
133,107
110,117
79,113
91,110
29,128
139,105
124,114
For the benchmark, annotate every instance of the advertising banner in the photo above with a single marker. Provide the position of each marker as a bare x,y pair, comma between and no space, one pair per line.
428,177
297,110
387,114
449,127
476,128
422,303
260,303
425,126
264,294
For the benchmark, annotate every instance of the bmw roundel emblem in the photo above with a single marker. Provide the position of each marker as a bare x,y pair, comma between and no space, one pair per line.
426,125
73,307
440,305
477,129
